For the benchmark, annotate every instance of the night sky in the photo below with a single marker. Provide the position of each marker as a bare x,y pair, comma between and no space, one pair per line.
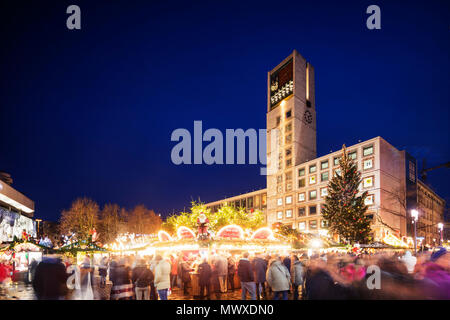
90,112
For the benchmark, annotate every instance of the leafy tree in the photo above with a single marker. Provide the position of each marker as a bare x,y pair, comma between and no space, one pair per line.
344,209
80,219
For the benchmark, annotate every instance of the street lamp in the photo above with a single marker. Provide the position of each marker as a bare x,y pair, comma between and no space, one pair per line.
441,228
38,229
415,217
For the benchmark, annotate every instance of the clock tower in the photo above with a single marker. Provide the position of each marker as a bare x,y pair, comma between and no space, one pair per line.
291,123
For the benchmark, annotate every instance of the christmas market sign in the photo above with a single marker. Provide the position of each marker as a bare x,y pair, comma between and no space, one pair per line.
185,233
164,236
262,234
231,232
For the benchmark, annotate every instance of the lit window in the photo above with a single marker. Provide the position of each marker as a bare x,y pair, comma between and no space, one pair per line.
301,183
280,201
289,200
368,151
301,197
280,214
324,224
289,176
312,194
337,172
313,224
312,168
352,155
324,176
369,200
324,165
289,213
301,212
301,172
336,160
368,164
312,179
368,182
302,225
323,192
288,186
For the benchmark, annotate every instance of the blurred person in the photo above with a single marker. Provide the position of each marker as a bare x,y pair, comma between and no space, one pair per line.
245,273
162,277
173,271
204,274
184,270
122,288
103,271
260,268
278,278
297,276
142,277
231,271
221,270
86,272
50,279
409,260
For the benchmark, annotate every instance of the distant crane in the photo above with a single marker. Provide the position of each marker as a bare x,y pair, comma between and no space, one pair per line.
423,172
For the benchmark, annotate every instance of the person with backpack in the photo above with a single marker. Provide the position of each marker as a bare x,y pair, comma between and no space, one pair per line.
142,277
278,278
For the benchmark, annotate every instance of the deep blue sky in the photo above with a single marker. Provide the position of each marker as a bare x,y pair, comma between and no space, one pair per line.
90,112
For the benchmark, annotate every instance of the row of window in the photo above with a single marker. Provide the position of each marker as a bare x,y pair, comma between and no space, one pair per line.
312,225
312,194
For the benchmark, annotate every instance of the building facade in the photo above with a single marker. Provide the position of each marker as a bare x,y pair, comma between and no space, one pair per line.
297,179
16,212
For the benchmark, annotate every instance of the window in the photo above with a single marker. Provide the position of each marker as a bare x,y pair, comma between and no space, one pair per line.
250,202
323,192
368,182
288,114
288,127
301,172
312,168
352,155
288,138
289,200
280,214
289,176
312,224
337,172
369,200
288,162
301,211
279,178
280,188
301,183
312,179
301,197
280,201
368,164
264,200
289,213
312,194
288,152
336,160
257,201
302,225
324,165
312,210
237,204
367,151
324,176
324,224
278,120
244,203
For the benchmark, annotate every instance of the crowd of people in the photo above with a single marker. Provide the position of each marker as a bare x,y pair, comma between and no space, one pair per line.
332,275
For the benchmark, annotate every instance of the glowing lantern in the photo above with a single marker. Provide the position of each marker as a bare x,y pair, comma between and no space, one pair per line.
231,231
262,234
164,236
185,233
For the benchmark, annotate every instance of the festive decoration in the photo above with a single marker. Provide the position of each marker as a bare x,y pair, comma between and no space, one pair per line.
344,209
202,223
262,233
231,232
185,233
164,236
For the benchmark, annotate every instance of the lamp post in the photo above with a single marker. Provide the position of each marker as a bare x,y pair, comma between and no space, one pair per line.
38,227
415,217
441,228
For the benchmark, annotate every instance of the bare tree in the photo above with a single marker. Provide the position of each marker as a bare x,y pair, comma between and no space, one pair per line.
109,224
80,219
143,221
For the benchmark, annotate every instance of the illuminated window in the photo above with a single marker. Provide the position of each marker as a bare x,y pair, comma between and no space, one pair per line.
312,224
301,172
312,194
288,199
280,201
289,213
301,197
324,176
368,182
324,224
324,165
368,164
337,172
280,214
301,183
367,151
312,179
301,211
369,200
352,155
302,225
312,168
264,200
336,160
323,192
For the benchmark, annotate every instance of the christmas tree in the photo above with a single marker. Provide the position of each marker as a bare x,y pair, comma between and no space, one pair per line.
344,209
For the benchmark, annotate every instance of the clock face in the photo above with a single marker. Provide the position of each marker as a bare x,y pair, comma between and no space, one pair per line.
307,116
